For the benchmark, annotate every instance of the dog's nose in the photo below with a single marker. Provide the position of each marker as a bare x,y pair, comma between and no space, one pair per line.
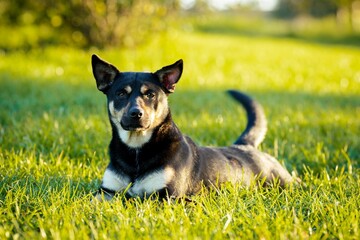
135,112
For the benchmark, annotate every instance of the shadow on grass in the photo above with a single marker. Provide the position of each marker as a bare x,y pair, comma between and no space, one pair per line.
25,97
47,188
29,97
300,123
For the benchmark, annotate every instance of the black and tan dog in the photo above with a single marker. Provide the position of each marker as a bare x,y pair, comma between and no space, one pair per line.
148,153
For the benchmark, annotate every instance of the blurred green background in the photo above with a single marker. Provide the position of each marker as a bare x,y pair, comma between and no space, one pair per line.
27,24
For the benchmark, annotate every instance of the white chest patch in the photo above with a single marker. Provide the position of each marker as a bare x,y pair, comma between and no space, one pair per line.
115,182
152,182
133,139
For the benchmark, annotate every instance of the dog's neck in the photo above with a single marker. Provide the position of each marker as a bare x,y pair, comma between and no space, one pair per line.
137,139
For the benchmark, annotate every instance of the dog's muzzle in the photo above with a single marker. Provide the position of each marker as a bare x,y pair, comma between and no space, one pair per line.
136,113
134,120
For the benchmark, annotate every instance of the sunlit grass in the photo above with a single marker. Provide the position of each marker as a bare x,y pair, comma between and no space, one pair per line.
54,134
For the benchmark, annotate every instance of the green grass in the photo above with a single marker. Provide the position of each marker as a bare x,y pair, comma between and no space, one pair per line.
54,134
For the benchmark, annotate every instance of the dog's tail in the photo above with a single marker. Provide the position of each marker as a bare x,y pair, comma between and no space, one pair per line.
256,127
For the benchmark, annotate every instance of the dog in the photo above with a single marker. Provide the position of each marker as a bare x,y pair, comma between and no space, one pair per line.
148,153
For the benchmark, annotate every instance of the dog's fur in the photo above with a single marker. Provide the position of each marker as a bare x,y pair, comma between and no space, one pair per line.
148,153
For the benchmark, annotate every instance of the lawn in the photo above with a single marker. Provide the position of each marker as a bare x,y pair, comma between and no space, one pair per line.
54,134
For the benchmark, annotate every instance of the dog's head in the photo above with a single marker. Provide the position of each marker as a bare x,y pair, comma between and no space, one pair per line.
137,101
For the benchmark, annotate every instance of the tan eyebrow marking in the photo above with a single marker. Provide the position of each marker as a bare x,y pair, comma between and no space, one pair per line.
143,89
127,89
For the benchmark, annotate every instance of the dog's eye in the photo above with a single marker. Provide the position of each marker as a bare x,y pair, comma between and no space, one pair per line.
150,94
121,93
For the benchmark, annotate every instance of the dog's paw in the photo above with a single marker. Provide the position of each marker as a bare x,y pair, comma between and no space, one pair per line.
101,197
295,179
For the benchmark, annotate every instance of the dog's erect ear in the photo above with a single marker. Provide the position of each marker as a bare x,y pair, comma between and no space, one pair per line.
104,73
170,75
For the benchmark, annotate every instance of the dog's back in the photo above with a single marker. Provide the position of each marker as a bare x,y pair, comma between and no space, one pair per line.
240,163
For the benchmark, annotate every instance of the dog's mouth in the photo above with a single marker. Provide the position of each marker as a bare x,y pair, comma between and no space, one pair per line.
134,125
134,128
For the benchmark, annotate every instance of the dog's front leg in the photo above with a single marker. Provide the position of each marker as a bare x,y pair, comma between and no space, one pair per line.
112,182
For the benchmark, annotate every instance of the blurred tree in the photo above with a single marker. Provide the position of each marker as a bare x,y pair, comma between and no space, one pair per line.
92,22
287,9
316,8
347,6
199,6
321,8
